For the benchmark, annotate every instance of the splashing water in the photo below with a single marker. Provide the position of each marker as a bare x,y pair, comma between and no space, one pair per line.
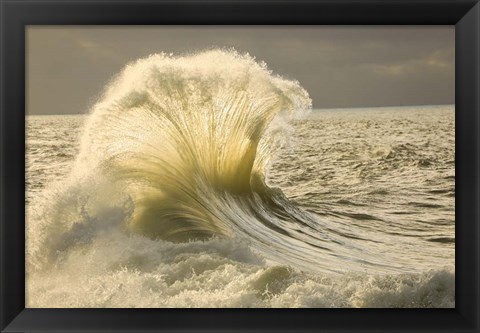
170,184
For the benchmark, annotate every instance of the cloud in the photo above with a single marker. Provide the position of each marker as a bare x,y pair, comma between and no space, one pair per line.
95,50
441,58
438,60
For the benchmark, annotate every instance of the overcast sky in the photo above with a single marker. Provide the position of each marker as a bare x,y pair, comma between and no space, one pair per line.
67,67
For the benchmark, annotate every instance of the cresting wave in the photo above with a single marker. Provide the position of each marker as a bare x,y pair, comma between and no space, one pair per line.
185,135
174,156
182,144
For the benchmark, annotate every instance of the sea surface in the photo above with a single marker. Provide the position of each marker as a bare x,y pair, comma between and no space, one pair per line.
140,205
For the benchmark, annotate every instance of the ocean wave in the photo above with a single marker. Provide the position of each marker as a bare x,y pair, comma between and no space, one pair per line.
168,205
220,273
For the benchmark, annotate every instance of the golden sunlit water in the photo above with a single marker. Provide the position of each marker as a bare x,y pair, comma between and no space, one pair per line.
207,181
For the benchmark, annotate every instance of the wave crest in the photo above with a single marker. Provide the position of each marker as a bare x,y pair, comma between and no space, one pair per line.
176,149
176,128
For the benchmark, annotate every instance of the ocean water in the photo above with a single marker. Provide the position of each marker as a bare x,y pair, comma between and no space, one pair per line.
187,187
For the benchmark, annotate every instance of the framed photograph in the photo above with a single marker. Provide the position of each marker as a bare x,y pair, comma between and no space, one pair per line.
237,166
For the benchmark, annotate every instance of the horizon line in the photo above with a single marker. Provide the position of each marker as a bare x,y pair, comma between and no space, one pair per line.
313,108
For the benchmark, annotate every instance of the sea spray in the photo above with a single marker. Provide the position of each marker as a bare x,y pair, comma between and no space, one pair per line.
168,204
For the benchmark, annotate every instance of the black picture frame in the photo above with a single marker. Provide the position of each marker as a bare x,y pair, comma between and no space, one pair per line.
17,14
